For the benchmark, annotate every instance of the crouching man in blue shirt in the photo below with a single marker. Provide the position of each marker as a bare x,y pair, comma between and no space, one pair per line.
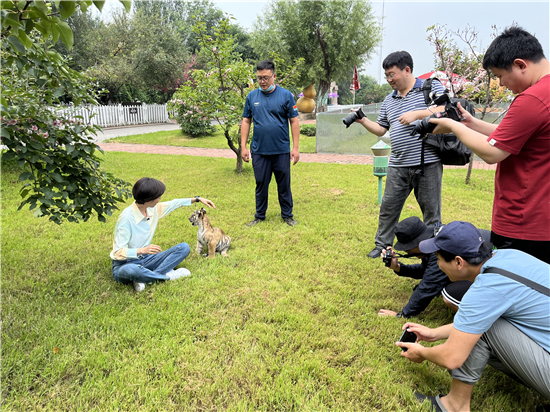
501,320
135,259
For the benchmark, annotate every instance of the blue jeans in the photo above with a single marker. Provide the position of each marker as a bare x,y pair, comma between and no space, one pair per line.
150,268
400,181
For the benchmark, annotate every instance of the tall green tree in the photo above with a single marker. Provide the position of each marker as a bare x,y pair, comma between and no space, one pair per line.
331,36
61,176
137,52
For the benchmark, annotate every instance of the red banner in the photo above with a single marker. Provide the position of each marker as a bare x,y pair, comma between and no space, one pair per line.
355,81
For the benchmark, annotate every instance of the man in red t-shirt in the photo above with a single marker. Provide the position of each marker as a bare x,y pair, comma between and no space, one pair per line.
520,144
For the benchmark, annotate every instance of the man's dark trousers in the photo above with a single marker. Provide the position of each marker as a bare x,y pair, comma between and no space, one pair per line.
264,166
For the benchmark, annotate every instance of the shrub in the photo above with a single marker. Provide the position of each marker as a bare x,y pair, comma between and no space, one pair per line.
191,119
308,129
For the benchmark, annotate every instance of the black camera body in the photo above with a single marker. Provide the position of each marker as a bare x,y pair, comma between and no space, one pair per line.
388,257
352,117
424,127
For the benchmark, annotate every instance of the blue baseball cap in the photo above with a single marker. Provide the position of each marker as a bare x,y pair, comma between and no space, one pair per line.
461,238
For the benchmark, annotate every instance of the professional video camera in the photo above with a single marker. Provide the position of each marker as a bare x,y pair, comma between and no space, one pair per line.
424,127
353,116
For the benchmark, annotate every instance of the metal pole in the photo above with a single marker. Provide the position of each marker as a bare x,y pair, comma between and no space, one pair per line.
379,190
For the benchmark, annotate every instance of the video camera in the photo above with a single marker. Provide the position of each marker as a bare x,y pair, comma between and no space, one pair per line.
424,127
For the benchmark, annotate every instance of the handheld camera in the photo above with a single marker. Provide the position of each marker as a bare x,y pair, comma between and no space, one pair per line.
352,117
424,127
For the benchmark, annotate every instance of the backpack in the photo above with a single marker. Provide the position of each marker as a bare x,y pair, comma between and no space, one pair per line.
450,149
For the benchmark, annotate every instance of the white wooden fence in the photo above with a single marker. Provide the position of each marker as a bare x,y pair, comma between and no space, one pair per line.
116,115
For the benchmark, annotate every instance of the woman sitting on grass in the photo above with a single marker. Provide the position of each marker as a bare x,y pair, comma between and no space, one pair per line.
135,258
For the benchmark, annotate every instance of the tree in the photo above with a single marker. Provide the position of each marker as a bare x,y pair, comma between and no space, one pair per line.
219,92
135,56
58,156
468,63
370,91
332,37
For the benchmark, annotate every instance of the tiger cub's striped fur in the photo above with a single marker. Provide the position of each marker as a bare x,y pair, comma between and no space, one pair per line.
213,237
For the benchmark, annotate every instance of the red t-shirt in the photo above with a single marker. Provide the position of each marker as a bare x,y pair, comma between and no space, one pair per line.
521,209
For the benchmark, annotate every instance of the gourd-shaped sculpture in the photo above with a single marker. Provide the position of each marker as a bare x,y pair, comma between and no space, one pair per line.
306,104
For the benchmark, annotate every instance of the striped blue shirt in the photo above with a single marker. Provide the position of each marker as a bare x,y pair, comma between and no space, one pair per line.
406,149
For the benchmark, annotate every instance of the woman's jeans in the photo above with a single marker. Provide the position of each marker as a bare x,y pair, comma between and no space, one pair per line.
150,268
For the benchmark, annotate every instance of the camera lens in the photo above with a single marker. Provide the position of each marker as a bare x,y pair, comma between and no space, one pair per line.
349,119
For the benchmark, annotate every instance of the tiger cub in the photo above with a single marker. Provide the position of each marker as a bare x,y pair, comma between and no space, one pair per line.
214,237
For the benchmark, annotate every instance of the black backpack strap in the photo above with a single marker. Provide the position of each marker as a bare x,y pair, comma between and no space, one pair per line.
427,89
527,282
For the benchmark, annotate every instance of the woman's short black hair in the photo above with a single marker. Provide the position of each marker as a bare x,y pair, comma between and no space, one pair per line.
484,253
147,189
401,59
514,43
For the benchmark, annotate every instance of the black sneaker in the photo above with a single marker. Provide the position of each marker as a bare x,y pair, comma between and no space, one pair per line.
290,221
376,252
254,222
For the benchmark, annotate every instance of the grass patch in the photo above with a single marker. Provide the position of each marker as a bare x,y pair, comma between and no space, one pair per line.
286,323
215,141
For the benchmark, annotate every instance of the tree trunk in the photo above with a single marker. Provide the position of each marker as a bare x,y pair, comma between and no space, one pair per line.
324,87
236,149
469,173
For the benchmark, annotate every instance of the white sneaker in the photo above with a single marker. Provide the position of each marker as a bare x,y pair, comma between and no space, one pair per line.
178,273
139,287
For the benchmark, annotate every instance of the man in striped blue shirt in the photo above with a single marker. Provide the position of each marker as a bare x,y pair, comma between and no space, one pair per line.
405,172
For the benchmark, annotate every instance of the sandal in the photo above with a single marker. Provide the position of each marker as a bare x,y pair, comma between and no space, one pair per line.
435,402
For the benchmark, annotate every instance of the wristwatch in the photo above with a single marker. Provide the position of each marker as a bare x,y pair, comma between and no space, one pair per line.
197,199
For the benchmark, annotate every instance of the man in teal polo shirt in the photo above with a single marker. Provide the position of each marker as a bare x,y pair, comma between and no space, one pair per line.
271,108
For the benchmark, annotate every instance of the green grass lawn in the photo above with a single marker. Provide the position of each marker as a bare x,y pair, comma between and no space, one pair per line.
288,322
215,141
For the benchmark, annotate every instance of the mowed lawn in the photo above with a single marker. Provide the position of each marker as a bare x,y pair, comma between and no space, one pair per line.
287,322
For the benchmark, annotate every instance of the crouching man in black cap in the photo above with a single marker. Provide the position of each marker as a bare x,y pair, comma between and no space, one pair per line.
410,232
503,319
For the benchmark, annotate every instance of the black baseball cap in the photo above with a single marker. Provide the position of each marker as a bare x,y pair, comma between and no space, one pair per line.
460,238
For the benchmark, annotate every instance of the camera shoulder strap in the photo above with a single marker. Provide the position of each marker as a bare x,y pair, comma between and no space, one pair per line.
527,282
426,89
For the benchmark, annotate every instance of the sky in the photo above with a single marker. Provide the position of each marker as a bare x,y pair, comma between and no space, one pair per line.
405,24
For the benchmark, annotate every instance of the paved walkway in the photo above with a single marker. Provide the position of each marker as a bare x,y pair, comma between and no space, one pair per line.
228,154
225,153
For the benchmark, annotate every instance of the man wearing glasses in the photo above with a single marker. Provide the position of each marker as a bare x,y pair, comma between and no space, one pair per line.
406,171
271,108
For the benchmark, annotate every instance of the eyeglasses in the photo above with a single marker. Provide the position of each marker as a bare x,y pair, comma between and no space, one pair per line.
264,78
389,76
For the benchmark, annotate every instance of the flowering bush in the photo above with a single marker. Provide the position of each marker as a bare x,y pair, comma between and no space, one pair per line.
57,156
192,120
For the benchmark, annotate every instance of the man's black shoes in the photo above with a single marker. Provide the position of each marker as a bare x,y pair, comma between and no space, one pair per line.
376,252
254,222
290,221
